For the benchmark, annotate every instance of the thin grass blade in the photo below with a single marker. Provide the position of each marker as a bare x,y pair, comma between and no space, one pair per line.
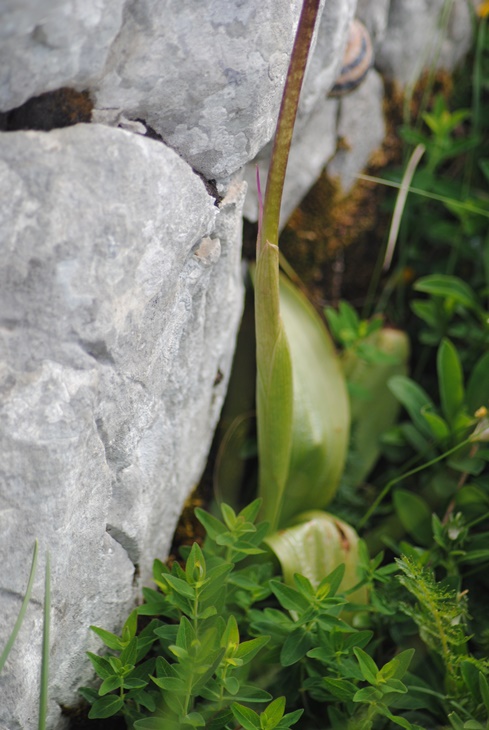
23,608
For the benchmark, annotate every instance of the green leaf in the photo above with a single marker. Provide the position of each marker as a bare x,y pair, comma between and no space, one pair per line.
231,684
378,410
450,381
110,684
129,655
451,287
340,688
290,719
368,667
271,716
101,665
367,694
247,718
172,684
289,597
296,646
414,514
194,719
195,568
134,683
274,389
250,512
414,399
478,386
105,707
393,685
130,627
109,639
211,524
319,435
247,650
397,667
23,608
437,425
151,723
180,586
484,688
317,546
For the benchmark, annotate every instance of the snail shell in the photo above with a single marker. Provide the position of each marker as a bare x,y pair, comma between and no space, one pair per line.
357,60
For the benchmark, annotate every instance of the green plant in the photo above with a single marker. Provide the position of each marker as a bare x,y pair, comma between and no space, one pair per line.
44,679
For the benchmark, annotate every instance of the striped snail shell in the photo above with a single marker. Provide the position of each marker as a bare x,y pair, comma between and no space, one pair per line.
357,60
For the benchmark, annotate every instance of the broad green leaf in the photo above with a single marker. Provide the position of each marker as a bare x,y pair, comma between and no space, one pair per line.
180,586
130,627
134,683
315,547
397,667
250,512
437,425
247,650
319,434
450,381
105,707
152,723
295,646
129,655
109,639
231,685
368,667
271,715
478,386
414,399
394,685
340,688
484,688
367,694
101,665
195,569
194,719
289,597
247,717
211,524
414,514
109,685
377,411
172,684
446,286
290,719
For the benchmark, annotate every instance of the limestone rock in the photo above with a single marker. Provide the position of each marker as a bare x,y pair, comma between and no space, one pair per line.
420,33
120,298
361,127
315,133
208,77
47,44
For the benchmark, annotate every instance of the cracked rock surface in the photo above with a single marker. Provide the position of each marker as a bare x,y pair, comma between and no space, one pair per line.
120,292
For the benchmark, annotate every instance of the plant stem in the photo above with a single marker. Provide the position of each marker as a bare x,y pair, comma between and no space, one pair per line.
286,121
392,482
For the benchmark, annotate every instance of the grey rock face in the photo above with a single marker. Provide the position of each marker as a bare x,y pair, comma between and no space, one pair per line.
408,35
420,33
315,132
361,126
46,44
120,299
208,77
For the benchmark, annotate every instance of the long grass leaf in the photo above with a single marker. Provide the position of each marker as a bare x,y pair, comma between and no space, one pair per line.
451,202
23,608
43,695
